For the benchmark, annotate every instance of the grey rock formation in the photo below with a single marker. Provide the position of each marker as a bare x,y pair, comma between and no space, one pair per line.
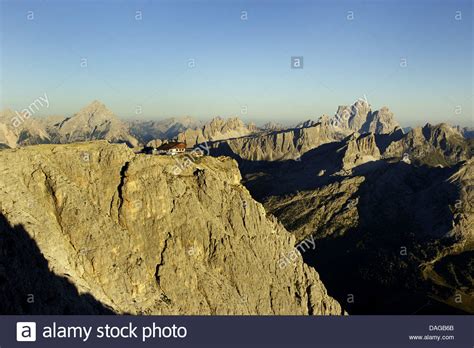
93,122
359,117
216,129
281,145
295,142
359,149
151,234
433,145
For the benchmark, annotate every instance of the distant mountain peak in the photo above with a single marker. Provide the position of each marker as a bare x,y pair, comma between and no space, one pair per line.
92,122
359,117
94,108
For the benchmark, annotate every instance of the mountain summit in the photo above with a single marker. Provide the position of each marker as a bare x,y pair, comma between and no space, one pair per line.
93,122
140,238
359,117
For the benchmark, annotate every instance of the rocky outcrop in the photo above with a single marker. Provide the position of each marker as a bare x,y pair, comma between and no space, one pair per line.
293,143
380,122
93,122
434,145
353,117
359,117
274,146
149,235
359,149
216,129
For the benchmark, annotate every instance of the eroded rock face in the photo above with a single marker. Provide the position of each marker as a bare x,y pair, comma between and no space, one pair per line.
290,144
280,145
359,149
153,234
359,117
433,145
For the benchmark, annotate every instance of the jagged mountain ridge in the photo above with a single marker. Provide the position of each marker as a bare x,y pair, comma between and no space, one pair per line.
146,131
365,203
93,122
142,235
217,129
359,117
274,146
96,122
433,145
293,143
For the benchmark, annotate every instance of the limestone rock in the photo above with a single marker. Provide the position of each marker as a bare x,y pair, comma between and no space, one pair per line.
432,145
280,145
359,117
306,124
358,150
93,122
149,234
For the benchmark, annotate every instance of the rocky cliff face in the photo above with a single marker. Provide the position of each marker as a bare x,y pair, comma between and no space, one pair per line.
359,117
143,234
380,122
281,145
358,150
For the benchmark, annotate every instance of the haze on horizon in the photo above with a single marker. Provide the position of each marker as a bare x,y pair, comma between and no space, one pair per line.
209,58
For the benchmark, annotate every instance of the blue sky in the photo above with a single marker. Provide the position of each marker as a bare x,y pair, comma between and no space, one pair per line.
240,64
